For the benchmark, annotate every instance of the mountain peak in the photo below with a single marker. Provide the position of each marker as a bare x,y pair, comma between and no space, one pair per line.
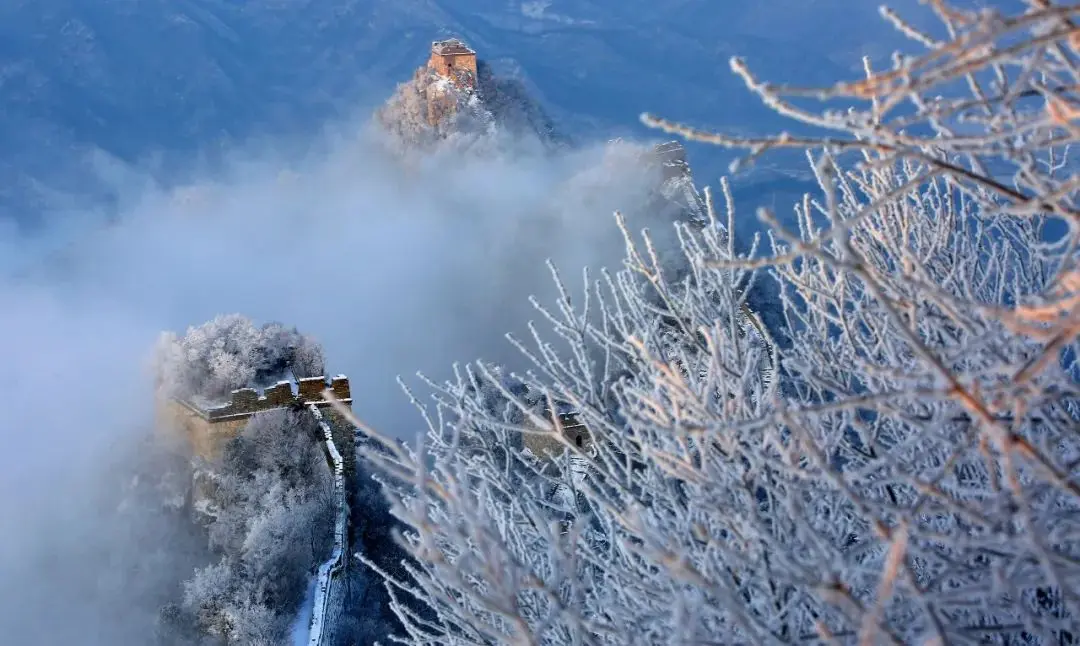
455,96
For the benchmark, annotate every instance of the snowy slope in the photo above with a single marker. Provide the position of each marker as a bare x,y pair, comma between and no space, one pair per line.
152,79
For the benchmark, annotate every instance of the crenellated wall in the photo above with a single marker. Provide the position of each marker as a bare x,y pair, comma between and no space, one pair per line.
208,429
247,401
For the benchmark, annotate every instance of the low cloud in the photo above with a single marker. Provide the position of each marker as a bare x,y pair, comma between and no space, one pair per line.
395,267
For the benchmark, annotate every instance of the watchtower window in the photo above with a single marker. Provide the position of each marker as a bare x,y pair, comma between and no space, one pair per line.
577,440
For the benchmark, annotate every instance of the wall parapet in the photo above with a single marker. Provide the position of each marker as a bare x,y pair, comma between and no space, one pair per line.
210,427
245,402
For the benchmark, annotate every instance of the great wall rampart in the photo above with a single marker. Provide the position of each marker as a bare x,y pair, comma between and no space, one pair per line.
208,428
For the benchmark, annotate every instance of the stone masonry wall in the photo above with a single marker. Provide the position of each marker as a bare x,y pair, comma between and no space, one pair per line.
246,401
544,445
448,65
208,430
206,438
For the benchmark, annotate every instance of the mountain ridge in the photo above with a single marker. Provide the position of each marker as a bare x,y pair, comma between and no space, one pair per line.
138,81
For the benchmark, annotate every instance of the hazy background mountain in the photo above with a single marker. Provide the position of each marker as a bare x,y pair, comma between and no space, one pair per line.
154,82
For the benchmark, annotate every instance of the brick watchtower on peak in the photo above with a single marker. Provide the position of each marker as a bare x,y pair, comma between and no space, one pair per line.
452,59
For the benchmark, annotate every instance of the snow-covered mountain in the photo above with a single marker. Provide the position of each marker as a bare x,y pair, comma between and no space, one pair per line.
154,81
469,108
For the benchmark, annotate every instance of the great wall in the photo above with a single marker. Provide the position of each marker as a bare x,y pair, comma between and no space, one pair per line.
208,428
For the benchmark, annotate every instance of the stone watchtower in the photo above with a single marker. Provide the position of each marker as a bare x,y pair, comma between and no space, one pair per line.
452,59
547,447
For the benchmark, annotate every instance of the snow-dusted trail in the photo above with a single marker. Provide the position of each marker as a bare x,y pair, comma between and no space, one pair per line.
326,598
299,631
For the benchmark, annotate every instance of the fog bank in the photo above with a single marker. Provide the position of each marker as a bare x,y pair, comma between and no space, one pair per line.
395,267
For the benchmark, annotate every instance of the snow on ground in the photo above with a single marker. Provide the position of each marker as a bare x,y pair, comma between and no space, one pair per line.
298,632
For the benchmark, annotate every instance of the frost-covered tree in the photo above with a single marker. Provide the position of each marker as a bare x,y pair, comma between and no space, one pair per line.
231,352
911,475
271,525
